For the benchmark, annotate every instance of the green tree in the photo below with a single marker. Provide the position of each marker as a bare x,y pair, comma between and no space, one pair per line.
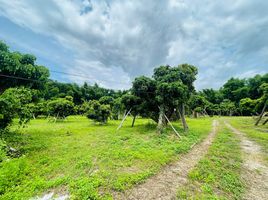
233,91
145,88
98,112
197,104
211,95
13,103
263,101
107,100
227,107
61,107
247,106
22,66
174,87
117,108
130,101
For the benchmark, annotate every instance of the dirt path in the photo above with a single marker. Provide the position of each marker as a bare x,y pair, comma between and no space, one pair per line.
165,184
255,173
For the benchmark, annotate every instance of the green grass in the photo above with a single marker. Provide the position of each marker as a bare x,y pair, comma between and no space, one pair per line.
89,161
217,175
256,133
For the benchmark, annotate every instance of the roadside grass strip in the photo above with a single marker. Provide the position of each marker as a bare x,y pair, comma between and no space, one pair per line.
257,133
217,175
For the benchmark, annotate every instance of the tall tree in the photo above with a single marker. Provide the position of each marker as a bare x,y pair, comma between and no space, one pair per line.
14,64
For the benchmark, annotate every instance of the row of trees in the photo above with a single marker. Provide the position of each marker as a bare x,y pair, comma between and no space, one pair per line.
244,97
27,92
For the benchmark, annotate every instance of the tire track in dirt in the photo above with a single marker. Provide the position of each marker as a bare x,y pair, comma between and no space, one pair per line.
255,173
165,184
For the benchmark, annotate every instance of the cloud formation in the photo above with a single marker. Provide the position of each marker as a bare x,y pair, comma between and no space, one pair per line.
114,41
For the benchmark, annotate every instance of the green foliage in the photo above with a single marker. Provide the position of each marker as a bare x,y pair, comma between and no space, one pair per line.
12,173
16,64
197,103
98,112
171,94
61,107
3,47
238,91
145,88
212,96
247,106
169,89
132,102
227,107
232,89
107,100
117,108
3,149
13,103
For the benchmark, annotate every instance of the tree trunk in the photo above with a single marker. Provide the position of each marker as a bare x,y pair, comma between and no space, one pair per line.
182,115
194,114
133,121
161,119
265,122
262,112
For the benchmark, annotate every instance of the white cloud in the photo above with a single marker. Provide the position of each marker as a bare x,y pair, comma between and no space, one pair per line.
118,40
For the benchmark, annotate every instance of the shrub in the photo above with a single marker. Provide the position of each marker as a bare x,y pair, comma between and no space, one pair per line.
13,103
98,112
61,107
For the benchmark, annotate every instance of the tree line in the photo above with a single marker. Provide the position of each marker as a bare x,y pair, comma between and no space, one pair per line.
27,92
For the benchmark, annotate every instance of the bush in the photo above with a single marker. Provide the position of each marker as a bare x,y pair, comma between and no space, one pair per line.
61,107
98,112
247,106
13,103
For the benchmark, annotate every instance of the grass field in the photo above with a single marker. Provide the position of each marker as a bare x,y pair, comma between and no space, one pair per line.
256,133
217,175
85,160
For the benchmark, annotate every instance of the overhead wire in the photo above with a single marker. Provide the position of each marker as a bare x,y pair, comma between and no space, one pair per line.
28,79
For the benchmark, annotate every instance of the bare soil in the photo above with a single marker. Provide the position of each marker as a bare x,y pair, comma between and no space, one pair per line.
165,184
255,172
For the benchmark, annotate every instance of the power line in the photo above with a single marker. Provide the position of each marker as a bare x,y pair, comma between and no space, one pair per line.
28,79
82,76
20,78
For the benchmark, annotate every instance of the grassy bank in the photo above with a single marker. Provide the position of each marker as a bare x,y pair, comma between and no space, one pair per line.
87,160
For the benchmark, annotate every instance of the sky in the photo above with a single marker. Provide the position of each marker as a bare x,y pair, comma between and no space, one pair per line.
111,42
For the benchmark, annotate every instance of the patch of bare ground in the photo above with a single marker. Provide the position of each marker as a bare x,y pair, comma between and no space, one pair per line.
165,184
255,173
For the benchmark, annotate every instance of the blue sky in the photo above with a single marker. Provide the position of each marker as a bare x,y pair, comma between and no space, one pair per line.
112,42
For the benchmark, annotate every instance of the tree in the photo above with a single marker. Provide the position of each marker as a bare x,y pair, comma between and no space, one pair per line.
61,107
247,106
13,103
254,84
22,66
117,108
107,100
211,95
264,101
145,88
178,82
132,102
197,104
227,107
98,112
232,89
